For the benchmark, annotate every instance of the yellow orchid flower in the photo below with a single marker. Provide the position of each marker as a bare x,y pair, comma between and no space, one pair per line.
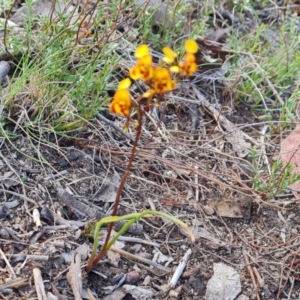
143,69
162,81
188,66
121,103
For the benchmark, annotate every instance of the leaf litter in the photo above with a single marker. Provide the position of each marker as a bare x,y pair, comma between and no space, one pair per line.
46,260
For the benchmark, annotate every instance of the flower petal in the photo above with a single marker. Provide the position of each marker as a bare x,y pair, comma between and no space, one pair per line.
148,94
141,51
191,46
175,69
190,57
134,73
170,55
124,84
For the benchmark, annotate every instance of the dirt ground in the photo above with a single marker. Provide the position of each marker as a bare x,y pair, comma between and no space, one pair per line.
191,163
264,235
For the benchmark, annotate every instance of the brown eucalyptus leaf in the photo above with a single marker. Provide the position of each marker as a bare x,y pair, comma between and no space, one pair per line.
290,153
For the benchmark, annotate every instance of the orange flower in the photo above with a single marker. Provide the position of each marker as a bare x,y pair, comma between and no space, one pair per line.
188,67
143,69
162,81
121,103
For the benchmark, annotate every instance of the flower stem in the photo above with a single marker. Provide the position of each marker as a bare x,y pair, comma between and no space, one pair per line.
93,261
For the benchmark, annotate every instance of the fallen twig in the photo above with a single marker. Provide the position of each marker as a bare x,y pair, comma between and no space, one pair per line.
191,272
137,240
180,269
249,268
36,218
258,277
39,285
74,277
15,283
11,270
29,256
139,258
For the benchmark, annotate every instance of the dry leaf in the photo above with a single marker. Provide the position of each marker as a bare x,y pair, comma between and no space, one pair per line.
74,277
225,283
233,208
116,295
138,293
290,153
108,190
10,179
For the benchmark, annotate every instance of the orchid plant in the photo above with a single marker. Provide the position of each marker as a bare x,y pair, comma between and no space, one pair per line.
160,79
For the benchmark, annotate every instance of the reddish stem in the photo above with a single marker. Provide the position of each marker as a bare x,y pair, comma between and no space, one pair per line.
92,263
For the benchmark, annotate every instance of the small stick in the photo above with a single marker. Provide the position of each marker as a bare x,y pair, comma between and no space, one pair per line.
39,285
57,175
139,258
15,283
40,233
57,294
137,240
36,218
29,256
8,264
263,147
191,272
89,293
151,270
180,269
74,277
292,281
197,184
250,270
258,277
207,236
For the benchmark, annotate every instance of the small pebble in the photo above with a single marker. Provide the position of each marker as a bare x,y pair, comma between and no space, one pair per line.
208,210
133,277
